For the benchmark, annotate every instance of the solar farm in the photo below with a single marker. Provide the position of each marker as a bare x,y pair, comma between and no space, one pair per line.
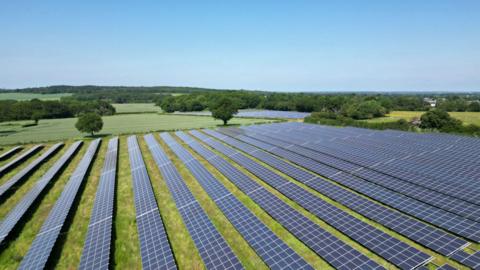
273,196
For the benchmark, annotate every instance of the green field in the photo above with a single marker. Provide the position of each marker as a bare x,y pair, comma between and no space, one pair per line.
465,117
136,108
29,96
61,129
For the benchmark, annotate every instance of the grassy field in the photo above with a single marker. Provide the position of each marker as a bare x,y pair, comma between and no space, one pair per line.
61,129
126,244
136,108
28,96
466,117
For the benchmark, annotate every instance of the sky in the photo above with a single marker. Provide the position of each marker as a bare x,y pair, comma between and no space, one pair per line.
394,45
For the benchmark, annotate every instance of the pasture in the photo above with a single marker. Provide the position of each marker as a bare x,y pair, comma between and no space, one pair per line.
293,181
61,129
136,108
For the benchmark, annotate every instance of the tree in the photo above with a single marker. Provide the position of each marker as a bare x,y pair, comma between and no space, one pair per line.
90,123
474,106
439,119
224,108
168,104
36,116
364,110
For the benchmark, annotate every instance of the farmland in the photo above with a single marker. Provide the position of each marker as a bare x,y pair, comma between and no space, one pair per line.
61,129
310,172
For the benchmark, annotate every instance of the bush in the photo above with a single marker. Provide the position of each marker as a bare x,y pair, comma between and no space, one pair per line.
441,120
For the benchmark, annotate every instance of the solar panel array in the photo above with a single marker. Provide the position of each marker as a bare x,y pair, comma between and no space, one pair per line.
449,221
41,248
17,213
330,248
17,178
97,248
382,174
214,250
417,231
386,246
17,161
155,248
274,252
10,152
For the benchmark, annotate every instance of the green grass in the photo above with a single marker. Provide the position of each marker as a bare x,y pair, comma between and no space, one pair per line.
136,108
29,96
465,117
61,129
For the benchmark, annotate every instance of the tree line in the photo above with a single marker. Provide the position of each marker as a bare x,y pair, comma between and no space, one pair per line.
35,109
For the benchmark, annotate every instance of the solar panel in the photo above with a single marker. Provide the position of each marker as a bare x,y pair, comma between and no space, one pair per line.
25,172
17,161
10,152
470,260
17,213
213,249
446,267
96,251
330,248
41,248
417,231
386,246
274,252
441,218
155,248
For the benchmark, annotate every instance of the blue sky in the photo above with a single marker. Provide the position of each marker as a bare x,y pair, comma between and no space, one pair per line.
427,45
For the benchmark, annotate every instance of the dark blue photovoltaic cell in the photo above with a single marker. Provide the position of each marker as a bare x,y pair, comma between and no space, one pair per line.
274,252
386,246
330,248
23,174
41,248
154,245
419,232
441,218
17,213
17,161
10,152
214,250
96,251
